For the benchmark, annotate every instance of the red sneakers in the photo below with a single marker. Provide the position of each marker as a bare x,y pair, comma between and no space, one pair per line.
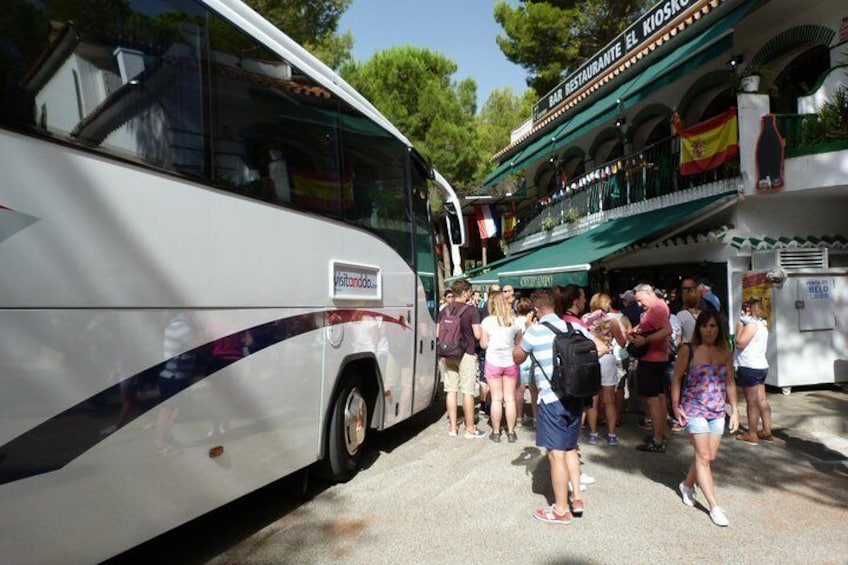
551,516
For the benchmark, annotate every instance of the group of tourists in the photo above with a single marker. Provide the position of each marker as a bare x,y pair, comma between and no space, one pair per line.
681,365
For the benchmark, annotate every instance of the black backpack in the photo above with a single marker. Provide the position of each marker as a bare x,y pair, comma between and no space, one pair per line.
576,371
451,339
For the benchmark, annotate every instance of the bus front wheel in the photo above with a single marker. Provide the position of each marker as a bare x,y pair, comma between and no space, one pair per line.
347,431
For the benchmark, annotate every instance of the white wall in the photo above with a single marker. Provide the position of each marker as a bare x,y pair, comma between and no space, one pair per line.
807,357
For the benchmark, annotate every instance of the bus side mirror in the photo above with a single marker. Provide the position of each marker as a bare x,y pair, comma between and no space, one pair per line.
454,225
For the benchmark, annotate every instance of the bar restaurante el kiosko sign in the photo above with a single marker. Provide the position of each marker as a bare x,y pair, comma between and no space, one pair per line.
629,41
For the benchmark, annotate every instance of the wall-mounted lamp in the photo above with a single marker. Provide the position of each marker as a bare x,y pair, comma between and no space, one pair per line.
734,62
620,122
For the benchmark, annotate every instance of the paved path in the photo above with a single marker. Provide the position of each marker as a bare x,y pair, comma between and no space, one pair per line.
429,498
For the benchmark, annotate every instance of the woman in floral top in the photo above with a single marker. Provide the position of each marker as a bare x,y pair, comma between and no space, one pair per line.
703,384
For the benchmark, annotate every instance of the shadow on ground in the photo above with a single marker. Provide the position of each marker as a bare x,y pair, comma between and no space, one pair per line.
282,502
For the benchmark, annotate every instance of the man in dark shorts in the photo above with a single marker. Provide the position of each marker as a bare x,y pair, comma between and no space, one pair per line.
653,329
558,424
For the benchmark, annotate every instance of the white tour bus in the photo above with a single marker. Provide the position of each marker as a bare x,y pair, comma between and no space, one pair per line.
217,263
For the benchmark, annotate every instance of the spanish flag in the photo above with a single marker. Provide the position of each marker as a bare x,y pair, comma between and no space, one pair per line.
509,223
707,145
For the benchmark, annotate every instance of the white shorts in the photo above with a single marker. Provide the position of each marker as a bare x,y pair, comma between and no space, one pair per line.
609,370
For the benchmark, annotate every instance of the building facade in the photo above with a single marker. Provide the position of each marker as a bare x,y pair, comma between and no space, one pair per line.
704,140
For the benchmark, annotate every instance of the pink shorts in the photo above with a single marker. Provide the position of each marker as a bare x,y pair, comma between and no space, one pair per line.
494,372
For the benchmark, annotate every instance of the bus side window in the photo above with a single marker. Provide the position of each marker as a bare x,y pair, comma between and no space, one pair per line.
278,173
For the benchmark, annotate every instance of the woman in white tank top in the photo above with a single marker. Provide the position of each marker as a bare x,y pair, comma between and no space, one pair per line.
752,369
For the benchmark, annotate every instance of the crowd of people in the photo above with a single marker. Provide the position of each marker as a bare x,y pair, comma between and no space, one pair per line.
671,352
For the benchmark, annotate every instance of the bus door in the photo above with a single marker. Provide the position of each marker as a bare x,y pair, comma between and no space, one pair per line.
427,305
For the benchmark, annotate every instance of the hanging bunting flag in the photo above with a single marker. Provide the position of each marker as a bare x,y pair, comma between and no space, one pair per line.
707,145
486,222
509,223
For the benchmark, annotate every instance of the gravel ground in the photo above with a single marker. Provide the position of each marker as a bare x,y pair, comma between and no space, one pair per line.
429,498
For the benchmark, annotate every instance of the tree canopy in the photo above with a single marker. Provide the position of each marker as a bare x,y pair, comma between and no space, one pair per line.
313,24
502,112
413,87
552,38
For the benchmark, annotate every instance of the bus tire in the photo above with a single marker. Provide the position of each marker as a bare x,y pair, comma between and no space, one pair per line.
348,431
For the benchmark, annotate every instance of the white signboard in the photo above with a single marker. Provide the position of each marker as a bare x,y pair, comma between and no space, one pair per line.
815,303
352,281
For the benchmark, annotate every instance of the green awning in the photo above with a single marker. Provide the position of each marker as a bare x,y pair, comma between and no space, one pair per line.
569,261
711,43
482,272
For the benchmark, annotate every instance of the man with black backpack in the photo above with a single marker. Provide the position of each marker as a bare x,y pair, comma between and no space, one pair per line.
458,331
559,412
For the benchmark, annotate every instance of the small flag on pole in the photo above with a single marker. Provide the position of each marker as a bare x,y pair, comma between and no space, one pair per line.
486,222
509,222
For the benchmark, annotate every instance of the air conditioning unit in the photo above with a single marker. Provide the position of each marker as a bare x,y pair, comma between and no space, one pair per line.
790,259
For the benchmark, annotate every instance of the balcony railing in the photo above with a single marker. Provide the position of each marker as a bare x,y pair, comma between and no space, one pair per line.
648,173
791,127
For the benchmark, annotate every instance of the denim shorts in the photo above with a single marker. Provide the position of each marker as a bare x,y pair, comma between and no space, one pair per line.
704,426
747,377
558,426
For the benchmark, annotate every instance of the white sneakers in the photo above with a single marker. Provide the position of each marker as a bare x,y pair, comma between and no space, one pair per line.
717,515
687,494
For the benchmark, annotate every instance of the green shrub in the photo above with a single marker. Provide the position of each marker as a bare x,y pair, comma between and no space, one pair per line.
831,123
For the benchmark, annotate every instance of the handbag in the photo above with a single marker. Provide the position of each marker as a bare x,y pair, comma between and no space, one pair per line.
637,351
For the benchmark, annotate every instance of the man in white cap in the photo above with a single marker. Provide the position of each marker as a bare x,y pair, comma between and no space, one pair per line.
654,329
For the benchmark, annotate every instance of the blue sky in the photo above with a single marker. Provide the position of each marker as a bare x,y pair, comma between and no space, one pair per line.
462,30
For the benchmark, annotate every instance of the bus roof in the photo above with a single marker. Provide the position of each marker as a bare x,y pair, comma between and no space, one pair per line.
283,45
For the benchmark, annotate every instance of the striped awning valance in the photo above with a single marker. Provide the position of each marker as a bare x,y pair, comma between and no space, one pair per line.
796,242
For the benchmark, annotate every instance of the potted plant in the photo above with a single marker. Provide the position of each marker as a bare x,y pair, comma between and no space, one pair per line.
548,223
748,78
511,184
572,215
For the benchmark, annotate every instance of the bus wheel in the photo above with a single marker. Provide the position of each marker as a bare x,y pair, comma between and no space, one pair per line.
348,431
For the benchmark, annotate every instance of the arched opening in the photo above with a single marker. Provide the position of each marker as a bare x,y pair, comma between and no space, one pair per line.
608,145
650,125
720,103
572,164
547,179
798,78
708,96
802,56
